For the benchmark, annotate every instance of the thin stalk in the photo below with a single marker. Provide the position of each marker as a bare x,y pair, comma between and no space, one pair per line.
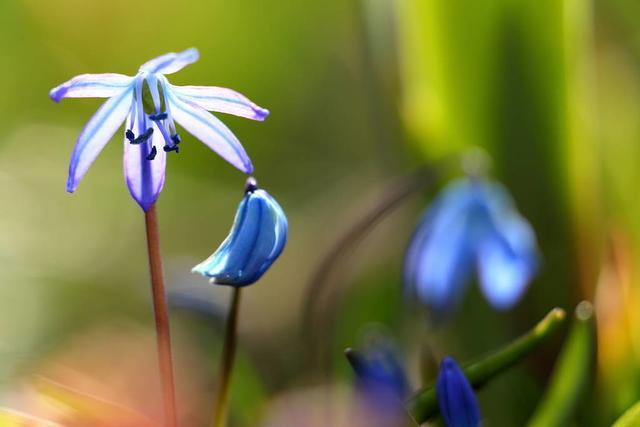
226,364
161,313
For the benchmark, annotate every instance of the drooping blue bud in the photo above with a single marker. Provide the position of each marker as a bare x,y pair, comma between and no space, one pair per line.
257,238
457,401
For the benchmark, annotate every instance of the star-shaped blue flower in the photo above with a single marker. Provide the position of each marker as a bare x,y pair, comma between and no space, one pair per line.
150,130
472,226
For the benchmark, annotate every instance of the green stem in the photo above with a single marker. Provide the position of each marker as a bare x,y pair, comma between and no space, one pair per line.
572,373
226,364
424,404
161,313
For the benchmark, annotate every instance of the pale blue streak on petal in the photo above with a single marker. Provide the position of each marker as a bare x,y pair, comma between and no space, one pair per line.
256,240
96,133
221,100
211,131
507,261
91,86
144,178
171,62
456,399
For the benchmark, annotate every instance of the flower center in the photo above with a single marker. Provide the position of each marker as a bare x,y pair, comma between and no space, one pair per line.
151,111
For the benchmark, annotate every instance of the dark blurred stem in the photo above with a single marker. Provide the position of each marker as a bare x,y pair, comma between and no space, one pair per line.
226,364
161,312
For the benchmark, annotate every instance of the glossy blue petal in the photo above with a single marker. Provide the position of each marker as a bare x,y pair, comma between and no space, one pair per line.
257,238
457,401
440,256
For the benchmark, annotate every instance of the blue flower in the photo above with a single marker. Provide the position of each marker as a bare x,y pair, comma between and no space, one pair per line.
458,405
472,225
151,129
379,374
256,240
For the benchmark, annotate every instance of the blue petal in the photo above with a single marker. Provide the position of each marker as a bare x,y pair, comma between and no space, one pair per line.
211,131
257,238
171,62
95,135
440,255
507,261
145,178
222,100
458,404
91,86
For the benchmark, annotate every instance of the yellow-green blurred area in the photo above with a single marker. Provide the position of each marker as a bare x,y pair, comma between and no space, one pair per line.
360,93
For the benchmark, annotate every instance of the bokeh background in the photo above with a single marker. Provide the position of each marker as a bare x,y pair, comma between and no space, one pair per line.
361,94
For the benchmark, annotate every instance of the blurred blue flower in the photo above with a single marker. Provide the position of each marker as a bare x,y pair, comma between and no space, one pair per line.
381,384
256,240
457,401
379,374
151,127
472,225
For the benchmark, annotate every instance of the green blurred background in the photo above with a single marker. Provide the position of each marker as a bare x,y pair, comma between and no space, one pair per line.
360,93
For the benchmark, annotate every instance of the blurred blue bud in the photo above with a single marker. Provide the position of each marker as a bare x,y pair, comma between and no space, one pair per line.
458,404
379,373
257,238
473,225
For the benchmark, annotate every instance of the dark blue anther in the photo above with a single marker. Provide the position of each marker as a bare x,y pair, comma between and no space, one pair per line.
152,154
130,135
168,148
142,138
176,139
158,116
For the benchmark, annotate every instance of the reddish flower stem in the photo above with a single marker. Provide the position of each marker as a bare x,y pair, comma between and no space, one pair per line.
161,311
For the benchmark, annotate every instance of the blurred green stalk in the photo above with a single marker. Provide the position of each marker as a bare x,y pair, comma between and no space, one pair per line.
572,373
424,404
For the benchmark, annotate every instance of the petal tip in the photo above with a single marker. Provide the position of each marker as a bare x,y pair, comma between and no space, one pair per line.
262,113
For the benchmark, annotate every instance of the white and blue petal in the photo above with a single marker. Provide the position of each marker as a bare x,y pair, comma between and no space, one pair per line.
507,260
456,399
221,100
256,240
91,86
144,177
211,131
96,133
170,62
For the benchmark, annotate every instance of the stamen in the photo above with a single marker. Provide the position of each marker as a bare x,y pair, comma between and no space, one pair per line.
130,135
168,148
158,116
152,154
142,138
176,139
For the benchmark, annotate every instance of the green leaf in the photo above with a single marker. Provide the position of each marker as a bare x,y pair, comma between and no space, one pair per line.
424,404
630,418
572,373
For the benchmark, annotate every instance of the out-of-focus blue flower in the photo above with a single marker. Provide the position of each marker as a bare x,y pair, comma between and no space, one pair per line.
257,238
458,404
472,225
379,374
150,129
381,383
